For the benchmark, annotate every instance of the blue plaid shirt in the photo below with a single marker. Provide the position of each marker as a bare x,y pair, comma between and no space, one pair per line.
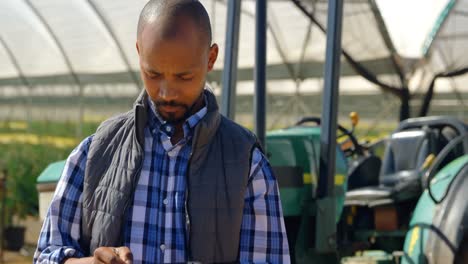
155,230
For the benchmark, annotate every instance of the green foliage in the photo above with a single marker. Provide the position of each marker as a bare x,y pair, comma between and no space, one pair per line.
23,165
24,162
49,128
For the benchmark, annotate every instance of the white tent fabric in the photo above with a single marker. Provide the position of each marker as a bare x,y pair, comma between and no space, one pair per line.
411,23
86,48
446,45
49,39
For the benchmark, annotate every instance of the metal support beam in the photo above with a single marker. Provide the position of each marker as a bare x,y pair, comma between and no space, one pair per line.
68,63
213,17
326,216
100,15
276,71
230,59
260,69
22,78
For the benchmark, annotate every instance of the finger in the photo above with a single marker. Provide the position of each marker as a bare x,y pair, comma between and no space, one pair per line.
126,255
107,255
103,255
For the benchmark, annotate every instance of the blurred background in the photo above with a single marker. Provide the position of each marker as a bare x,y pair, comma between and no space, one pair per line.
65,66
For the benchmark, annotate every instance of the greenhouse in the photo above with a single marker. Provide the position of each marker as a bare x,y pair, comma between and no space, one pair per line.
76,60
66,66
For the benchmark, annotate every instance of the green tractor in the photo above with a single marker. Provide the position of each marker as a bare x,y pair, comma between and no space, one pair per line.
400,201
406,205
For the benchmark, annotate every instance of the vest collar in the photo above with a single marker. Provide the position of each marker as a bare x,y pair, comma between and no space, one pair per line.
141,116
204,130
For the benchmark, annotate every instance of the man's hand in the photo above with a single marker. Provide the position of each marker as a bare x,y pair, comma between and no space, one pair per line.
113,255
106,255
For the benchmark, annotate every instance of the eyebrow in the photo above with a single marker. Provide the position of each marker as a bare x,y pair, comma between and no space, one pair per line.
184,73
152,71
178,74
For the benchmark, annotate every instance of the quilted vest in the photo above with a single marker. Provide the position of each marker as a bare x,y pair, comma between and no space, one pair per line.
217,178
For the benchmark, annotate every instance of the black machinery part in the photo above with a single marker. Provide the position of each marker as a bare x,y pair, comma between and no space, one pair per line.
450,223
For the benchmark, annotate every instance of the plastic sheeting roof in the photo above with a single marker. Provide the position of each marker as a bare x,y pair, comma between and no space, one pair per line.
48,40
446,46
43,35
84,42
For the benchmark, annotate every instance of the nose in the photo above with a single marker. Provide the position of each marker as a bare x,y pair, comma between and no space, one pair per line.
166,92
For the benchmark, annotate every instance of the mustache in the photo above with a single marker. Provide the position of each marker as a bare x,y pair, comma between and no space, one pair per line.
170,103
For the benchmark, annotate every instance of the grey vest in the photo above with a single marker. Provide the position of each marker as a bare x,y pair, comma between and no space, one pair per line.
217,178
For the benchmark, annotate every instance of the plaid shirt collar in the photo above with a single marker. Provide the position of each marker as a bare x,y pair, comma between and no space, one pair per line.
158,125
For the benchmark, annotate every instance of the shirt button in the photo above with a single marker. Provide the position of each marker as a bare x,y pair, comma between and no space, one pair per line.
165,201
162,247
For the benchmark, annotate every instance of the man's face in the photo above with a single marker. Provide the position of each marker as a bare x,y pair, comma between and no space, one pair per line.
174,69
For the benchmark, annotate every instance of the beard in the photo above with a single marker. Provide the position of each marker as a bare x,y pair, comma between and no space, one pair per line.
171,117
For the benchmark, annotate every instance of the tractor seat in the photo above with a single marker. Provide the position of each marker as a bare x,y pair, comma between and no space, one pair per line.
399,177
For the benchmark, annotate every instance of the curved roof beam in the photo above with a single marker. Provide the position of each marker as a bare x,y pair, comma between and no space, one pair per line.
15,63
67,63
439,24
56,41
22,77
111,32
358,67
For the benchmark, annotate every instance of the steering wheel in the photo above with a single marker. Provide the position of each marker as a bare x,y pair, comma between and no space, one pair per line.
356,148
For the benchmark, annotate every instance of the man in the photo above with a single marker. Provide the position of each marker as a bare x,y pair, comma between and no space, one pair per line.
172,180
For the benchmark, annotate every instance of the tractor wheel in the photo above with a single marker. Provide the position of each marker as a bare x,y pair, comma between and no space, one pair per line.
462,254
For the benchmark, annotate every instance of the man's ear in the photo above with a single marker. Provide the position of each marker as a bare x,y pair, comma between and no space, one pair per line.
212,56
137,47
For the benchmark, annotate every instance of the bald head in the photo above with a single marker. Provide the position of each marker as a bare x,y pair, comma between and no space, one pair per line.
170,16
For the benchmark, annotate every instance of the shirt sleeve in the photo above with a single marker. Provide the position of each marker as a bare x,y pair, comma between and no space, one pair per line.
61,229
263,235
